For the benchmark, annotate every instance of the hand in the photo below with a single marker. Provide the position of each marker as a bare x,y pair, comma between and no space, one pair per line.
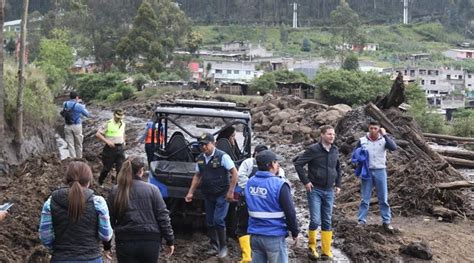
383,131
230,196
338,190
169,250
188,198
295,239
309,187
3,215
110,144
108,254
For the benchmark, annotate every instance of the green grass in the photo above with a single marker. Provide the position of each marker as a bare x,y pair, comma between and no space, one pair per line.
393,40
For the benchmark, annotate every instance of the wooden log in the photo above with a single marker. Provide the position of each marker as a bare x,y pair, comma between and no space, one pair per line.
443,212
458,162
449,137
455,185
373,201
463,154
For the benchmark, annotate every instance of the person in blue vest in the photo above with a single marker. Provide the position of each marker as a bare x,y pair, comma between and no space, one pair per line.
212,173
322,181
376,142
271,211
73,124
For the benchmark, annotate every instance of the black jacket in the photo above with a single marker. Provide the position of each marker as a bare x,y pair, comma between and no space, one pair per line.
324,169
74,241
146,217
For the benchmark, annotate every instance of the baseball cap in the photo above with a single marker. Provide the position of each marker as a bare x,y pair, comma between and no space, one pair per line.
118,114
206,138
260,147
266,157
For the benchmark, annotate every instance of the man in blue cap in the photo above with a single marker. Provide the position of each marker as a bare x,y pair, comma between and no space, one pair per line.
212,173
271,211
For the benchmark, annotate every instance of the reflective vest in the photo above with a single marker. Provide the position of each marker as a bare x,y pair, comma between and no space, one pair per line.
149,134
214,176
266,216
115,130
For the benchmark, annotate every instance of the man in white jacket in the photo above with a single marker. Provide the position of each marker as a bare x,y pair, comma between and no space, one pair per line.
246,170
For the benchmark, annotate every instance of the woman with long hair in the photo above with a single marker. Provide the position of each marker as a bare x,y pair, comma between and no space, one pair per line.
73,219
139,216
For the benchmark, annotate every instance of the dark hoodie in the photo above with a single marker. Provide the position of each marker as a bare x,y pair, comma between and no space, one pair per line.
324,169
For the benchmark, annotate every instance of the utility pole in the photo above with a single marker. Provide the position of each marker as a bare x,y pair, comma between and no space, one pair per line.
295,15
405,12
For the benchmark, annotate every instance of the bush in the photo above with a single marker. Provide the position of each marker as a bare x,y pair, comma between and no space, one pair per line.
127,92
114,97
37,101
101,86
351,87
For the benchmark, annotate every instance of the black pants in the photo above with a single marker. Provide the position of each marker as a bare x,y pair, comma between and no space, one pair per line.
150,152
111,156
242,217
138,251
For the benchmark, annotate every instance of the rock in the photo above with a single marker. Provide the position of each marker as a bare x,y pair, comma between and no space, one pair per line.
305,129
275,129
297,137
268,97
258,117
312,105
417,249
279,117
289,129
257,127
328,117
342,108
253,102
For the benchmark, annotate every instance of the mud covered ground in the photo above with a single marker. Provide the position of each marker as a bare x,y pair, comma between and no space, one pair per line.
29,185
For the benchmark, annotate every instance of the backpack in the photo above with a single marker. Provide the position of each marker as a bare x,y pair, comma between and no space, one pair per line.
68,113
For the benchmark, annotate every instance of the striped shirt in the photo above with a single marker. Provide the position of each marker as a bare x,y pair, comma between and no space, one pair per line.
46,230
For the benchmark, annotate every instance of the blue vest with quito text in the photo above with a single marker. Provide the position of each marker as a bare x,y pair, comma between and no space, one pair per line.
266,216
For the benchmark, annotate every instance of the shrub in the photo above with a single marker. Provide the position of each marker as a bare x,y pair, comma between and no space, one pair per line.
114,97
127,92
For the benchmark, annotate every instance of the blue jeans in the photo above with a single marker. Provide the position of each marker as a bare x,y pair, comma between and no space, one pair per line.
268,249
378,178
216,210
97,260
320,209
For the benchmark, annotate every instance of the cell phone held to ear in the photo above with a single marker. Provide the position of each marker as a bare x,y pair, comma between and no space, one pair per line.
5,206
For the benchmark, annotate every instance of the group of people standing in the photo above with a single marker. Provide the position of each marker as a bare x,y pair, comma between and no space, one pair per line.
74,219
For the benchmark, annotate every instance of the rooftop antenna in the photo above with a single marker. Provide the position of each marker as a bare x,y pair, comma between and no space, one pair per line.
295,15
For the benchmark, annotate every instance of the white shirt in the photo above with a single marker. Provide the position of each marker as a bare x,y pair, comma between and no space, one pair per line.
246,168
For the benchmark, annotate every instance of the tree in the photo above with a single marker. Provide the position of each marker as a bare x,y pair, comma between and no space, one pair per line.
345,29
283,35
21,77
264,84
193,42
55,58
306,45
351,62
351,87
2,89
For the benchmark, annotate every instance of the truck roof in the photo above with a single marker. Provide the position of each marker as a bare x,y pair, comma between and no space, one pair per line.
204,109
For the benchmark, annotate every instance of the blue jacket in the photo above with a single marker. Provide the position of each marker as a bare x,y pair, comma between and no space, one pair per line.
79,109
360,156
266,215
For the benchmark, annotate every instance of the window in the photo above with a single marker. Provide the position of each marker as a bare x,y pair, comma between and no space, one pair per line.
460,77
433,82
448,76
422,82
248,72
229,71
236,72
218,71
469,76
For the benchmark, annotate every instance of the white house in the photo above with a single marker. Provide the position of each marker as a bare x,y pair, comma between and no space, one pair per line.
12,26
233,71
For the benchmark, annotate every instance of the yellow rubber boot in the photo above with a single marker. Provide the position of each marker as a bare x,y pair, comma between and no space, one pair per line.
326,241
244,242
312,247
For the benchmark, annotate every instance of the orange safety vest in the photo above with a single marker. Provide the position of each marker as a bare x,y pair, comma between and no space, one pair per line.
149,135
